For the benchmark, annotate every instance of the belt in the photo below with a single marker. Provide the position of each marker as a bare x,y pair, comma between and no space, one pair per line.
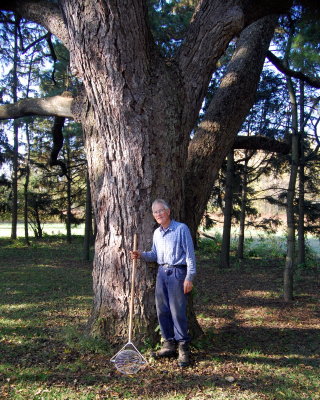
172,266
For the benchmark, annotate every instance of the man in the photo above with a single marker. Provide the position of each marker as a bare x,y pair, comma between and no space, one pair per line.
173,250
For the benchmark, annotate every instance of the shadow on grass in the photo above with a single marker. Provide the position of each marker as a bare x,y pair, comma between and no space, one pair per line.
279,344
28,284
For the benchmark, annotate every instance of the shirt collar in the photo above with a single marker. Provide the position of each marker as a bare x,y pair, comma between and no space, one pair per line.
170,227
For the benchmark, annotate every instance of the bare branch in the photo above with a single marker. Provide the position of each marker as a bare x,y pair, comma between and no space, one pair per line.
280,65
50,106
225,114
214,24
261,143
57,136
25,49
207,39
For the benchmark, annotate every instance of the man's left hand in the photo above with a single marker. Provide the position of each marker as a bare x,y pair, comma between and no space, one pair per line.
187,286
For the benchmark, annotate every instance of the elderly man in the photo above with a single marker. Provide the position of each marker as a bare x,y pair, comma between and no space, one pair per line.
173,250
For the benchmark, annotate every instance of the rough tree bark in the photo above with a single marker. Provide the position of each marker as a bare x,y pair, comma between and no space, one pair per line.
137,110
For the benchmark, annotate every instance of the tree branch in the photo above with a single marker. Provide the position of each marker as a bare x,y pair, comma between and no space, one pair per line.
261,143
57,145
50,106
280,65
45,13
25,49
206,40
226,112
254,10
214,24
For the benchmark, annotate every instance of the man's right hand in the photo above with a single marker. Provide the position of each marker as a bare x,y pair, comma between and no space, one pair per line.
135,254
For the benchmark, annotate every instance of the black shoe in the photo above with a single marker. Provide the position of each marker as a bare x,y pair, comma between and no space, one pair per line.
168,349
184,354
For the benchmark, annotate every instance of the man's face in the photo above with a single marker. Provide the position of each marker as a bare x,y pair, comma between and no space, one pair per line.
161,214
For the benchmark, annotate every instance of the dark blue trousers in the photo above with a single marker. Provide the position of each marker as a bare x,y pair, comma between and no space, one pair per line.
171,303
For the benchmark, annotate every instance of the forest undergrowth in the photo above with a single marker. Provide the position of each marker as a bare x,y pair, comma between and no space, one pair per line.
254,346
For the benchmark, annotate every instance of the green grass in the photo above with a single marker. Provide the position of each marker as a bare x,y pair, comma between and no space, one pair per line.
255,347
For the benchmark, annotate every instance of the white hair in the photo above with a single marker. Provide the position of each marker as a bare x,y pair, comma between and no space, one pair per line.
161,201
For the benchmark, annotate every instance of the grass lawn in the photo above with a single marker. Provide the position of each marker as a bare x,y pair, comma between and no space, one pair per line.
255,347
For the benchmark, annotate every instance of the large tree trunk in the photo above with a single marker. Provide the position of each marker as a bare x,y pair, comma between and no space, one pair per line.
136,127
145,162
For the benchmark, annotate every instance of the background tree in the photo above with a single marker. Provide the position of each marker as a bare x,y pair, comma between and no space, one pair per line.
20,41
33,46
227,212
292,53
265,119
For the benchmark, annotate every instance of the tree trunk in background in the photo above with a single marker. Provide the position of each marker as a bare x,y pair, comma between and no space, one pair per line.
15,161
244,193
38,226
26,189
69,197
88,223
15,166
290,258
301,224
27,164
227,213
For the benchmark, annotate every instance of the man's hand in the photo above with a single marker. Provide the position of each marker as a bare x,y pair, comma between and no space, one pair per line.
187,286
135,254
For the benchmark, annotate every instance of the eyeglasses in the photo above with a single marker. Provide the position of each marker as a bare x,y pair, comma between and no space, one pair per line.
159,211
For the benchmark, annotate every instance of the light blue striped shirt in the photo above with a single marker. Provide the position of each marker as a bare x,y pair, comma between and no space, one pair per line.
173,246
